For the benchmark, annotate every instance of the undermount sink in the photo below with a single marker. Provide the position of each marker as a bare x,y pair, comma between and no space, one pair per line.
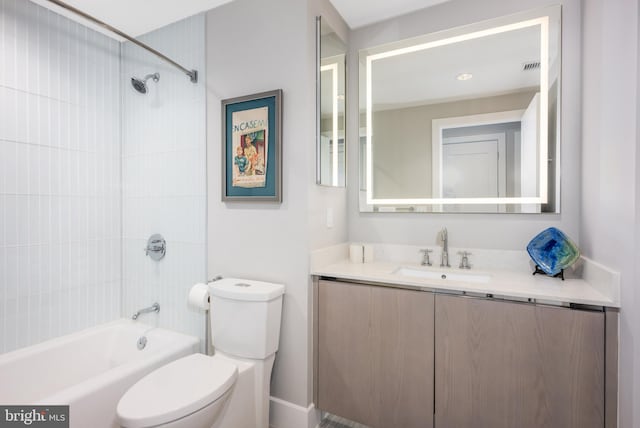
442,274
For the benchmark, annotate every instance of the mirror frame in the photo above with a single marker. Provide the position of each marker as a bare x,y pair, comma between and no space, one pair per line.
318,99
498,25
319,69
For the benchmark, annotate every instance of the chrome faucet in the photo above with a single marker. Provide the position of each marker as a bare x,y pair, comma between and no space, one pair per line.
153,308
425,257
444,237
464,260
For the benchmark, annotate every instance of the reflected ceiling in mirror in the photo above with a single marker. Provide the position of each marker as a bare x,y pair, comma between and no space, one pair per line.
331,77
464,120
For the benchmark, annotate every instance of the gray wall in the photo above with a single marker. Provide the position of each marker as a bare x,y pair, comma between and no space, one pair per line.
610,195
271,242
508,231
327,201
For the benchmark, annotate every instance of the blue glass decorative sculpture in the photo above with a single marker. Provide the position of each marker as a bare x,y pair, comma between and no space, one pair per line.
552,252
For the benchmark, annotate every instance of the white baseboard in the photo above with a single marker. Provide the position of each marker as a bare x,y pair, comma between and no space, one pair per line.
283,414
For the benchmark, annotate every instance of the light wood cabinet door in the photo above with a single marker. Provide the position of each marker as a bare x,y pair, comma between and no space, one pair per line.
375,354
506,365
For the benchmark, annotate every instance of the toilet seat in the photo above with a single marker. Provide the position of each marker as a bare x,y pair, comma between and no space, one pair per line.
176,390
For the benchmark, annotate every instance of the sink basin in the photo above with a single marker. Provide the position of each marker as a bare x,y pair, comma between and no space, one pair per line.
448,275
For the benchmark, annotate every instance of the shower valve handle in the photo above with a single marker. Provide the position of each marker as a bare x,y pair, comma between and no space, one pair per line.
156,247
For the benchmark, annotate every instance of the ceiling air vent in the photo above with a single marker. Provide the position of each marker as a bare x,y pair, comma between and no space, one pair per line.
532,65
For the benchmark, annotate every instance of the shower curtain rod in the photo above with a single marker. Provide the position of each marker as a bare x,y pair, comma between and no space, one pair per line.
193,74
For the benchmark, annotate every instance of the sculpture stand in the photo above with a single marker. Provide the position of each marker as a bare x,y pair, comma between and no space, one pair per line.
558,275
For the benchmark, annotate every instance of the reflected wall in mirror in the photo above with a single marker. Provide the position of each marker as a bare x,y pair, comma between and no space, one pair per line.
464,120
330,115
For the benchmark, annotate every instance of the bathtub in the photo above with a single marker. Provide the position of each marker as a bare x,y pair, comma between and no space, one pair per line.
88,370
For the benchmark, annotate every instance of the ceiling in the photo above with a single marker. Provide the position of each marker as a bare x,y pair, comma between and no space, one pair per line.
358,13
430,76
135,17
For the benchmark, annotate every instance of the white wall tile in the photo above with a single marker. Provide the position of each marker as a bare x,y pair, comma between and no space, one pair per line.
22,114
22,169
7,103
3,215
11,274
9,209
22,225
61,156
32,220
56,77
9,333
163,176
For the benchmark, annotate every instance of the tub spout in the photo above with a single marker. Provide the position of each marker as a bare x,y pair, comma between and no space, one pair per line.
153,308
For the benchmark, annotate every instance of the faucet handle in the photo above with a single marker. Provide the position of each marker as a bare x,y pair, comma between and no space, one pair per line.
425,256
464,260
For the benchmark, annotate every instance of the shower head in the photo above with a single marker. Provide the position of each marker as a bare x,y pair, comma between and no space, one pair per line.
140,85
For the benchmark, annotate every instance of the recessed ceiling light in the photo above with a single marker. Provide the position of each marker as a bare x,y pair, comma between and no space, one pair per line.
464,76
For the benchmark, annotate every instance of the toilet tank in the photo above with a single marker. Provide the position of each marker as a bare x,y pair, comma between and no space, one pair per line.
245,317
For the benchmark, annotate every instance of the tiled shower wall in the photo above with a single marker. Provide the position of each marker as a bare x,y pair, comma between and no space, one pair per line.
60,222
164,176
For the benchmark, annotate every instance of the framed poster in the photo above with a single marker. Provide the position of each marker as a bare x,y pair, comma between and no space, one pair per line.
252,147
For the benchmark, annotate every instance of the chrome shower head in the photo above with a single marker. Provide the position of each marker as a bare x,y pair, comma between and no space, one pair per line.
140,85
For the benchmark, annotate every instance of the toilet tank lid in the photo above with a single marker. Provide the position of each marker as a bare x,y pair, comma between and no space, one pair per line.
246,289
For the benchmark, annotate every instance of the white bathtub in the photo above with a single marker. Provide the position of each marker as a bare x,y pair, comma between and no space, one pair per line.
89,370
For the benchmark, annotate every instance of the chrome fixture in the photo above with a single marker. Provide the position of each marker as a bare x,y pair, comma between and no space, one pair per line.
156,247
153,308
193,74
140,85
425,257
464,260
444,258
142,342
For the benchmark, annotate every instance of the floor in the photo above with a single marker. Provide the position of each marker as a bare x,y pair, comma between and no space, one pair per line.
331,421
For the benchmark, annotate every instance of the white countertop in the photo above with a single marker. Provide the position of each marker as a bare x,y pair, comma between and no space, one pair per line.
520,285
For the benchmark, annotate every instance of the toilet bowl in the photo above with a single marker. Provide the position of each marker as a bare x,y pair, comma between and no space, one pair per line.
227,390
186,393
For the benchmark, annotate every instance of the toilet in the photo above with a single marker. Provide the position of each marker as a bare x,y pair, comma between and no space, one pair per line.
227,390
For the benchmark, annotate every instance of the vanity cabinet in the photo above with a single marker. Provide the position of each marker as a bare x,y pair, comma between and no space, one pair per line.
397,358
374,354
502,365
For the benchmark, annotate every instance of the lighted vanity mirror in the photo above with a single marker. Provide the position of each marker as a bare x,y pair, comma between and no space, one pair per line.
464,120
330,116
